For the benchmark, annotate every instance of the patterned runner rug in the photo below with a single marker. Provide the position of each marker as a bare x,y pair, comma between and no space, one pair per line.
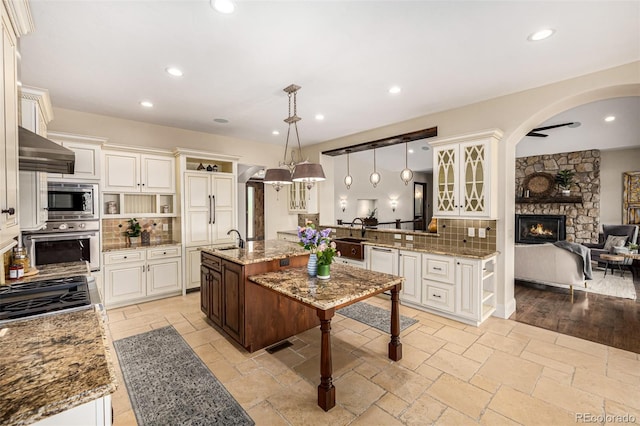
169,385
374,316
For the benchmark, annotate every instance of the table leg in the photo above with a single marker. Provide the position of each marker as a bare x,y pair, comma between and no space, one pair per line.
326,390
395,347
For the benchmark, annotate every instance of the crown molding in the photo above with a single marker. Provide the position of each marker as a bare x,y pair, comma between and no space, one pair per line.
20,16
41,96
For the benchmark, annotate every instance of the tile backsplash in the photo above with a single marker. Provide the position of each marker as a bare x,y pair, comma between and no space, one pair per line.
113,229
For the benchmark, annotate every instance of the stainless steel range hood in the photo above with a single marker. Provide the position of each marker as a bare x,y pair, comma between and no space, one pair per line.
39,154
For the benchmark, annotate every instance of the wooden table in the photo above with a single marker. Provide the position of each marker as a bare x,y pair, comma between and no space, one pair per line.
346,286
613,259
635,263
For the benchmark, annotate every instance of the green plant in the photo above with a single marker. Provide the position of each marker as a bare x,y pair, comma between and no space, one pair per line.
134,228
632,246
564,178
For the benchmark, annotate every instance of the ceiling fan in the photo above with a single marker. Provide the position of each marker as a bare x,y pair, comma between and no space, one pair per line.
535,131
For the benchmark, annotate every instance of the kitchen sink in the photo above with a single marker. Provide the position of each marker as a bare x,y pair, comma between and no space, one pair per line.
350,247
226,248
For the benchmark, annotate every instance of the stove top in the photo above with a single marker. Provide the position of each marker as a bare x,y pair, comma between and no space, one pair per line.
23,300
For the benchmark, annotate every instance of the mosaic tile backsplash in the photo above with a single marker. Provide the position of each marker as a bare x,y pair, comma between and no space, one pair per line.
113,229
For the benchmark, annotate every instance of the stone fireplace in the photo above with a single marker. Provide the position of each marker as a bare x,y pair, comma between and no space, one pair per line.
540,228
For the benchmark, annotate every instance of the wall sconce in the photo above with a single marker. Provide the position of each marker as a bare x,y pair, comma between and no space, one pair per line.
394,204
343,204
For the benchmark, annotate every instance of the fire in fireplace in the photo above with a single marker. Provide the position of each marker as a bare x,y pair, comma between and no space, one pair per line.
538,229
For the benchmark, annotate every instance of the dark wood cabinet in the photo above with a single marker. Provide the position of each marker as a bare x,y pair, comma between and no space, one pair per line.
250,314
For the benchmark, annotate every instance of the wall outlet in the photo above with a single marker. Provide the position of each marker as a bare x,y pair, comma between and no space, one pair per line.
409,237
482,233
397,236
165,226
471,232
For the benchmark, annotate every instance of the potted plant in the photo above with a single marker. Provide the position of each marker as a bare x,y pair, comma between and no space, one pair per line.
633,248
133,231
371,219
564,179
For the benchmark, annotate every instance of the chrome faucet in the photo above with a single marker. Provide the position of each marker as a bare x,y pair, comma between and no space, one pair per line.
363,229
240,240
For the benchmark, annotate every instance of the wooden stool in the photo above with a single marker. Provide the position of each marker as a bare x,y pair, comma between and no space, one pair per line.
613,259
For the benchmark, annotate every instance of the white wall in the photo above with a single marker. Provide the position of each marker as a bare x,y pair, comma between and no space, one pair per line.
612,164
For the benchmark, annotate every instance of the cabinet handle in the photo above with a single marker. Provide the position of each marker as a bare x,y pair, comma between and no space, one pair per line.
125,257
381,249
10,210
138,184
164,252
437,295
214,208
353,251
437,269
209,209
457,263
148,268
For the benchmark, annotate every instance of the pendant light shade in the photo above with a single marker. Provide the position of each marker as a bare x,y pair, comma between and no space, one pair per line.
302,170
348,180
375,176
406,175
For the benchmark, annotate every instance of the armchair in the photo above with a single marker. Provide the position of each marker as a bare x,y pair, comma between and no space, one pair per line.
630,231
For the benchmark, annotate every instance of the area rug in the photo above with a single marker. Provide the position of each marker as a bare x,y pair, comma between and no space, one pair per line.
611,285
169,385
374,316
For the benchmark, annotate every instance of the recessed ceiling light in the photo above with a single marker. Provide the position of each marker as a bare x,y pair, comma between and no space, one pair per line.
395,90
174,71
221,120
610,118
541,35
275,132
319,117
411,151
146,104
223,6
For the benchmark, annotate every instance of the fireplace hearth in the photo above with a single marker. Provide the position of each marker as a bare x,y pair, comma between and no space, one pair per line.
539,228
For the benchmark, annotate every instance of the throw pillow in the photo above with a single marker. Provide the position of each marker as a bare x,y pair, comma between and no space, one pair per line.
614,241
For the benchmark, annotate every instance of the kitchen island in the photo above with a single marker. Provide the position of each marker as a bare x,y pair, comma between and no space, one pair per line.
54,363
346,286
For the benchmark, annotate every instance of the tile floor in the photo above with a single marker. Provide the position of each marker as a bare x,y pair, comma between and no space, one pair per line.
501,373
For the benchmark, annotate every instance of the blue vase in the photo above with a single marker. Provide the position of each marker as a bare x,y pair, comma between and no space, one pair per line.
312,266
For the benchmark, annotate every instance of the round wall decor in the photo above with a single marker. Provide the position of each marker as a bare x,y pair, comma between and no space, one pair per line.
539,184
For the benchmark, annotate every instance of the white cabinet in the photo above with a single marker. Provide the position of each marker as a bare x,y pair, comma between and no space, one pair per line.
382,259
209,208
192,260
136,172
297,197
35,113
9,227
88,150
465,176
410,267
92,413
351,262
132,276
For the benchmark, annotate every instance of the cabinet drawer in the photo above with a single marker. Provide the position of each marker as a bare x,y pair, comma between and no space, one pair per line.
162,252
211,261
438,268
438,296
123,257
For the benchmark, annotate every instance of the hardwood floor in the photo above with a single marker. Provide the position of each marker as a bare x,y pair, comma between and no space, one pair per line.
611,321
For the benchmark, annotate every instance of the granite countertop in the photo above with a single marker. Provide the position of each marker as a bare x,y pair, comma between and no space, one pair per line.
447,251
56,270
51,364
346,284
289,232
127,246
258,251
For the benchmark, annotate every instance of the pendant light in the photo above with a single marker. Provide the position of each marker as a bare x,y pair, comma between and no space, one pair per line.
348,180
301,171
375,176
406,175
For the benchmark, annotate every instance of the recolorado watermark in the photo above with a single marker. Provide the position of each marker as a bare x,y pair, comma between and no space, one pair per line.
605,418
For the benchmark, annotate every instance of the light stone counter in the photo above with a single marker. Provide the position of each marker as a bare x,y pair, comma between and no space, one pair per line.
127,246
51,364
259,251
54,271
447,251
347,284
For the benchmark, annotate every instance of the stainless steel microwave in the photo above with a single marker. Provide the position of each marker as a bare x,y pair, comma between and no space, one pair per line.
69,200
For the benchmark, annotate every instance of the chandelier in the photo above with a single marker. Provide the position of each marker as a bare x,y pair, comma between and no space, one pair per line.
302,170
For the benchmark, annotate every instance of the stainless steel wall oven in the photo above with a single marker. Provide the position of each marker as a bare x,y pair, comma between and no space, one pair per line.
61,242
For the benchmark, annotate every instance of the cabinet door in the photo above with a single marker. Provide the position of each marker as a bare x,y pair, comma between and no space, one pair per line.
158,174
192,268
121,172
164,276
224,212
9,129
468,289
445,201
382,259
124,283
33,200
87,165
198,209
233,300
205,289
215,297
474,178
410,269
297,197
